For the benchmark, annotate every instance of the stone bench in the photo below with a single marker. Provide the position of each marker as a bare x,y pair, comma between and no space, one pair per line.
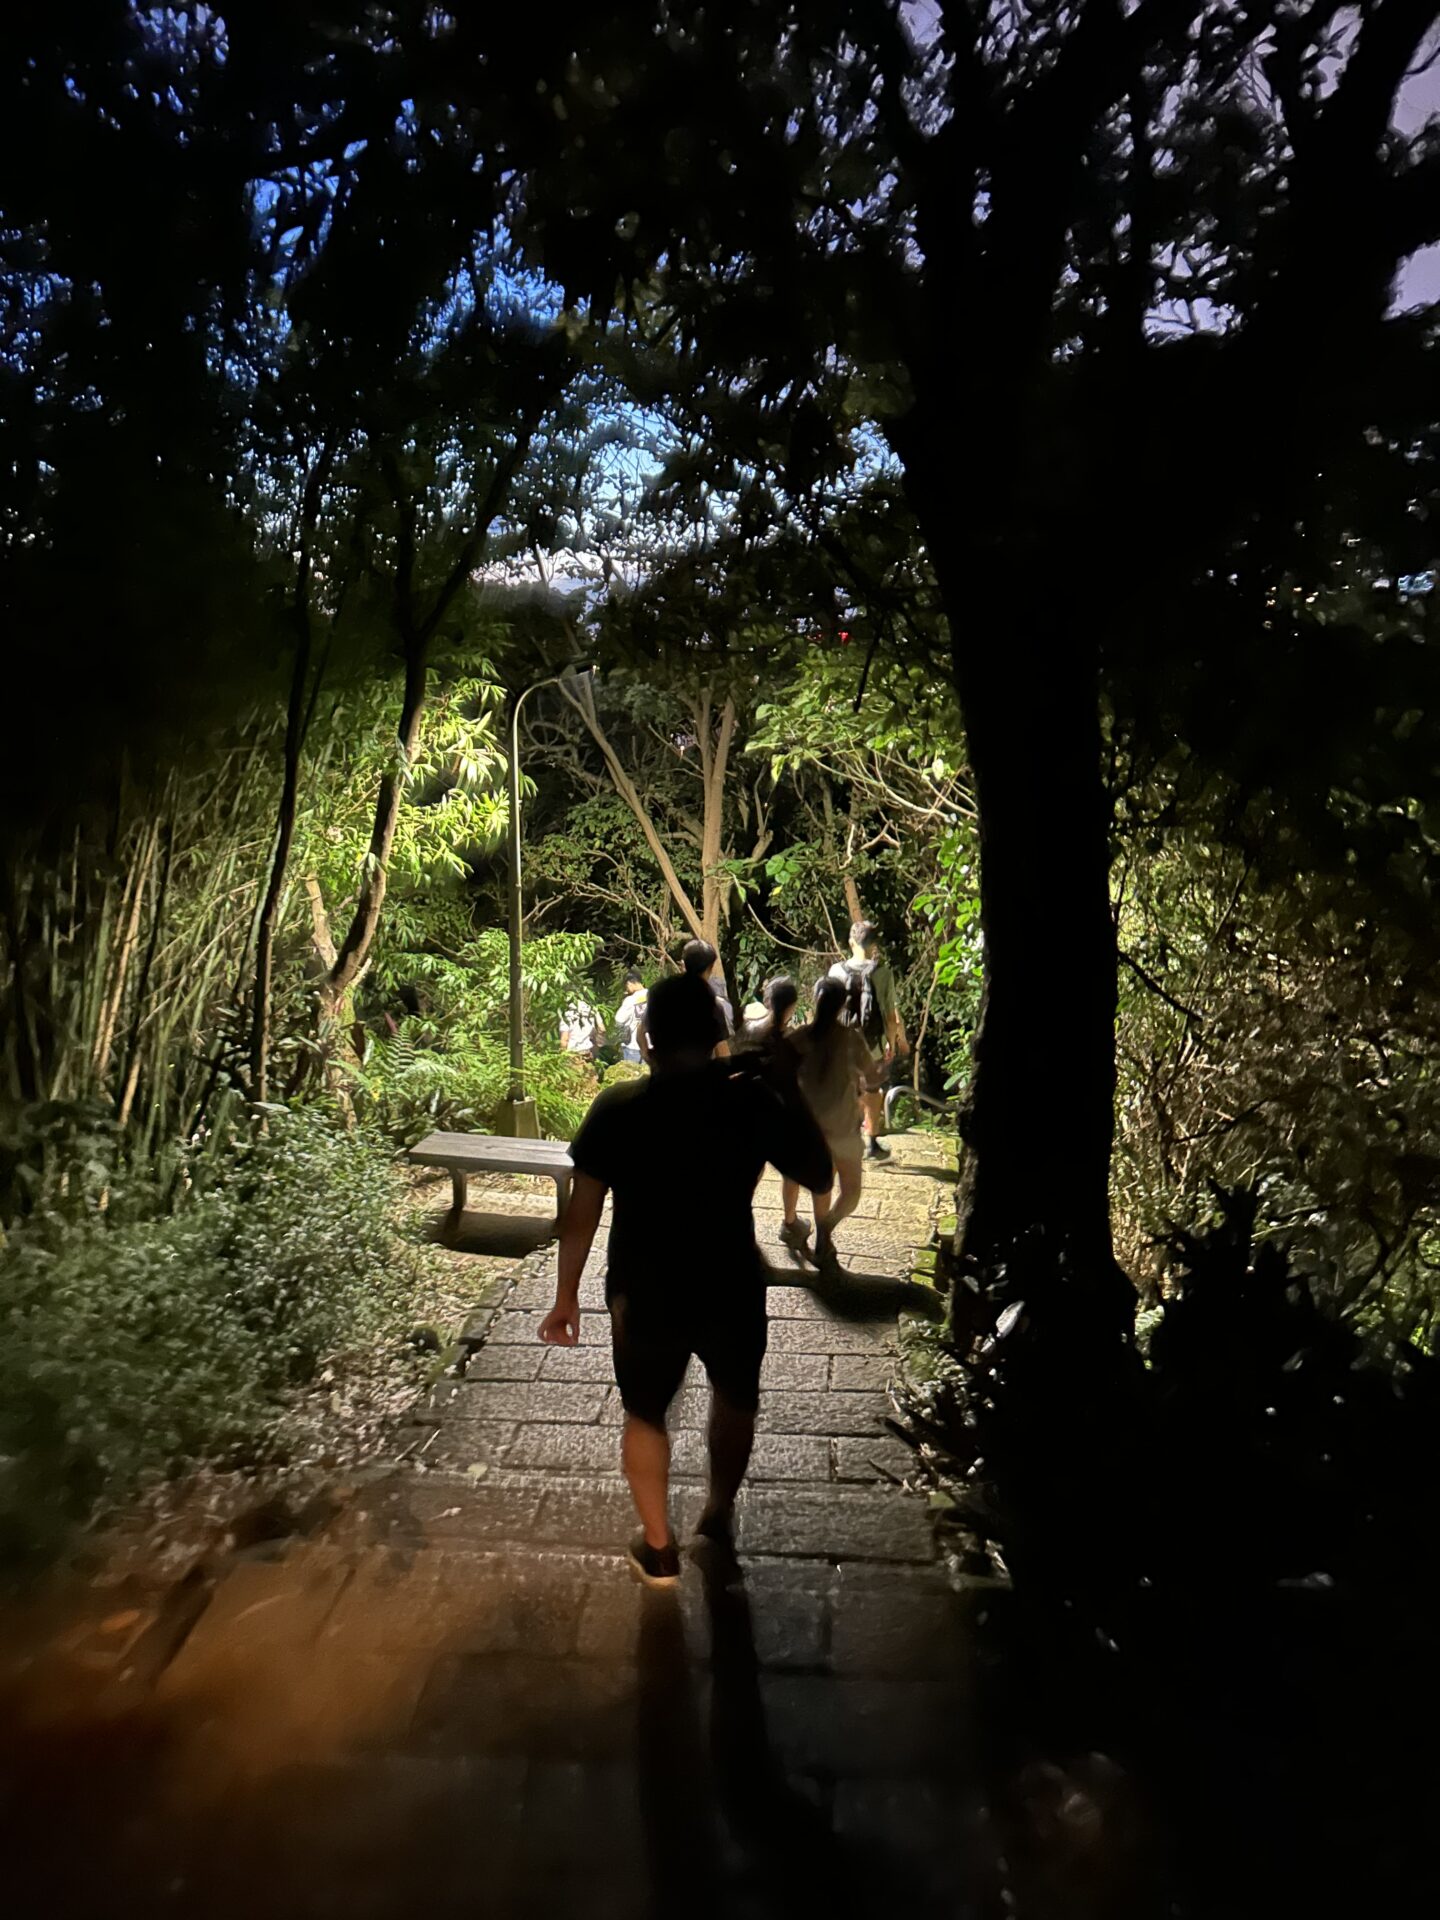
467,1153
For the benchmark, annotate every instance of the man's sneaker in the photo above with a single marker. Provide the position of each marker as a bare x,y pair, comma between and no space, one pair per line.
795,1236
654,1566
714,1549
877,1150
717,1524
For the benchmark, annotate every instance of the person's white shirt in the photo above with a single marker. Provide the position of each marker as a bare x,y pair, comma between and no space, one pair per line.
629,1014
580,1027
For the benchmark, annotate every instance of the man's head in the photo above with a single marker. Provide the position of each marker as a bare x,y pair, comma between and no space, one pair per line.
683,1021
698,957
633,982
865,938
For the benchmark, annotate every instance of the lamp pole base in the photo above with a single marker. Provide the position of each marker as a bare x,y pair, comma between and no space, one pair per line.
518,1119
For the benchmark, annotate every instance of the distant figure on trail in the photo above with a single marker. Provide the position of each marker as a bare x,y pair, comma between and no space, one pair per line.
581,1030
836,1068
876,1014
681,1152
630,1017
700,958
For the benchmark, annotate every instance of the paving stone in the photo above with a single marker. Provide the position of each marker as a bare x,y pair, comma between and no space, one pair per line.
834,1523
832,1336
566,1449
861,1372
459,1442
441,1603
900,1818
782,1628
571,1807
907,1634
777,1624
854,1728
881,1458
505,1363
598,1512
795,1372
822,1413
578,1363
521,1400
789,1299
523,1329
542,1709
536,1293
417,1512
789,1456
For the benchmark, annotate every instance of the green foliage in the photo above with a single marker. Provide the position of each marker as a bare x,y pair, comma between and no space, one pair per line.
951,908
426,1075
136,1349
621,1071
454,806
1276,1033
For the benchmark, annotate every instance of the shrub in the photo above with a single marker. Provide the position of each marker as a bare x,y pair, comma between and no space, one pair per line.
422,1077
135,1350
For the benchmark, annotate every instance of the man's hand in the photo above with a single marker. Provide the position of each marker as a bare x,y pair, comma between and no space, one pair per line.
561,1325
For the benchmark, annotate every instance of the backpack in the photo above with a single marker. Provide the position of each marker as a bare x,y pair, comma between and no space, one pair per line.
870,1021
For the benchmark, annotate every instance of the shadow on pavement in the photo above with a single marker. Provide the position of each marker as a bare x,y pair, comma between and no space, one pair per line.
924,1170
503,1235
863,1296
755,1843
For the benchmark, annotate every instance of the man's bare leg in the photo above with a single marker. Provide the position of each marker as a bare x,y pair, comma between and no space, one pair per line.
645,1456
790,1200
873,1101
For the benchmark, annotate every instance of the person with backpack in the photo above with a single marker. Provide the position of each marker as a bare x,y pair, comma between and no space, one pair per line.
699,958
875,1010
630,1018
582,1030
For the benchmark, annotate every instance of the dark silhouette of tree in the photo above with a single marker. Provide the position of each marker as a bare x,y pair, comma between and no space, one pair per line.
1115,287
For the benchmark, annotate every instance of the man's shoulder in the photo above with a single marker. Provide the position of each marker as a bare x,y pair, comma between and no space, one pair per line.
618,1105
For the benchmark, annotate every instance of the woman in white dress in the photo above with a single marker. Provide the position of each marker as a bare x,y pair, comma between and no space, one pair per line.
835,1066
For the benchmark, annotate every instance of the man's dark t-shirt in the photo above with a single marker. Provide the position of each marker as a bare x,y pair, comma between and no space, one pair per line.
681,1154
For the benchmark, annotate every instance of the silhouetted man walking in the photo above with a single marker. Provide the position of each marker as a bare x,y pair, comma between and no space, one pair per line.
681,1153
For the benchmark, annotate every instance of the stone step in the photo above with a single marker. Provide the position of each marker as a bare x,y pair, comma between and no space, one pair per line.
530,1509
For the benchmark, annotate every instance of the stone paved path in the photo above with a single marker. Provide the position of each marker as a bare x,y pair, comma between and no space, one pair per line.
455,1702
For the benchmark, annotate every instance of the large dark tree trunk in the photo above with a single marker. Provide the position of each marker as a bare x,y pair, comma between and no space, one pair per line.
1038,1124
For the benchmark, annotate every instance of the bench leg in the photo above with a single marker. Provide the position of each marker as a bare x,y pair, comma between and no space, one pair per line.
562,1198
459,1188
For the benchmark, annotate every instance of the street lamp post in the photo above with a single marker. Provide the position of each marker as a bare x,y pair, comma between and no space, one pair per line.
517,1115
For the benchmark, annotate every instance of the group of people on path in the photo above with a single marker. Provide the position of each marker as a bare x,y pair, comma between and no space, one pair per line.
583,1030
680,1151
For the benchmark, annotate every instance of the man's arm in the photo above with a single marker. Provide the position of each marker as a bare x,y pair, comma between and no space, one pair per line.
561,1326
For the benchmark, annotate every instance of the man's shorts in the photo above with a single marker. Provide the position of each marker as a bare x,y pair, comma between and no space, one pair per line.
654,1339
